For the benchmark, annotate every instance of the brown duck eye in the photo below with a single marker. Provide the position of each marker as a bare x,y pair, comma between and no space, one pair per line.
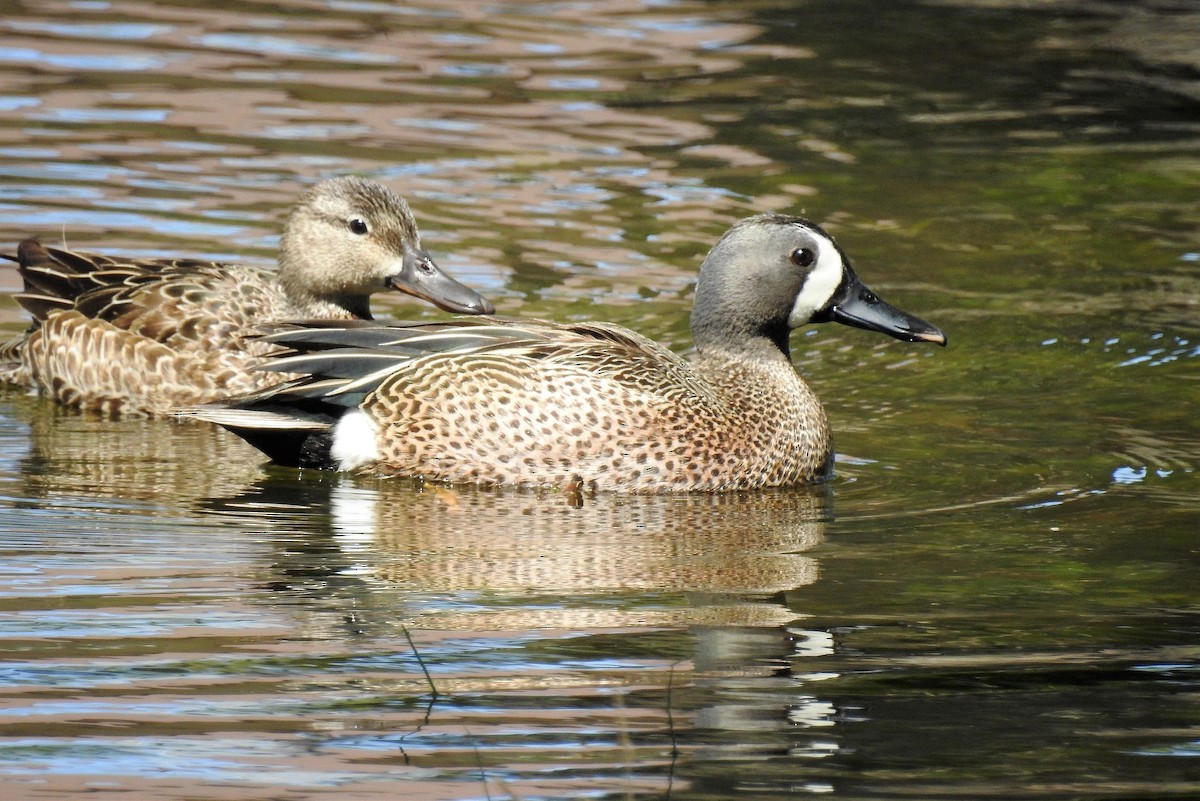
803,257
358,226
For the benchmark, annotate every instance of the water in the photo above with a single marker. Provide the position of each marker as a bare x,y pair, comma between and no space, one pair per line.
995,597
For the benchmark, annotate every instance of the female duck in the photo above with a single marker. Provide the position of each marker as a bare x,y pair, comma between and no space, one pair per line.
528,402
148,336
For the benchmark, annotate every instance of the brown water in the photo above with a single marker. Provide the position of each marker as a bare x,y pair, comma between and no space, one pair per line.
996,596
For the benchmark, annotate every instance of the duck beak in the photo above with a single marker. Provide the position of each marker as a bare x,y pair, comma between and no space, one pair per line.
855,305
420,277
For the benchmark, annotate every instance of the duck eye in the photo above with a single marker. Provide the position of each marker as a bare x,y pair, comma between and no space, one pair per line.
803,257
358,226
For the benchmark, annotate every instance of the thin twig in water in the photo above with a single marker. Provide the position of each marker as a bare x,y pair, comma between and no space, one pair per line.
420,660
424,722
479,763
671,729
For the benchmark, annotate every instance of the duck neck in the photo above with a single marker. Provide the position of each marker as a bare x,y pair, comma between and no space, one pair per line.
355,306
310,292
749,342
321,307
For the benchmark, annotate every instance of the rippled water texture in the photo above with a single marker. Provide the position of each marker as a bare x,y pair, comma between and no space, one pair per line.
996,597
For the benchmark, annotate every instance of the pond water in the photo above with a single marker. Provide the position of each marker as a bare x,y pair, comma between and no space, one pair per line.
998,595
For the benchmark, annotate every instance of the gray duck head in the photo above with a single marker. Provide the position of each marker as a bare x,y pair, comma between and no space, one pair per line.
773,273
350,237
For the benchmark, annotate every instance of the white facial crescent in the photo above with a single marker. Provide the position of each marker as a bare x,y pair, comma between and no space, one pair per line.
821,283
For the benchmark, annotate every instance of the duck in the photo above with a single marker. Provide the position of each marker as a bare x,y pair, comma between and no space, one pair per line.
536,403
144,337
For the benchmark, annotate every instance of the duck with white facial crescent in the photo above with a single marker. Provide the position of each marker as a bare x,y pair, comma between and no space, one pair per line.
536,403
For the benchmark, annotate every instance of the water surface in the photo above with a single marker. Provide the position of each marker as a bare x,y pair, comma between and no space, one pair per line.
995,597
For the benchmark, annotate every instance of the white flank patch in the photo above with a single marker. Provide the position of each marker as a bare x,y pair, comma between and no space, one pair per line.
354,440
820,285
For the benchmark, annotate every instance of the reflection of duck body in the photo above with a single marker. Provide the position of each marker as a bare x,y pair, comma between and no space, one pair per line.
496,540
145,336
537,403
480,558
115,463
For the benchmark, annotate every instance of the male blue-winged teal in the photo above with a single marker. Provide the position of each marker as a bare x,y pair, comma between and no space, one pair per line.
528,402
149,335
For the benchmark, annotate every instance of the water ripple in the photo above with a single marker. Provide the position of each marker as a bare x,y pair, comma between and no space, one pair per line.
127,31
289,48
113,62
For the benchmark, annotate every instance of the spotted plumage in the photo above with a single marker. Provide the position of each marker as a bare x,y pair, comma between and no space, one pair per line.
530,402
148,335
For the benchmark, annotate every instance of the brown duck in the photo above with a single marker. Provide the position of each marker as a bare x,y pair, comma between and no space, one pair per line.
146,336
528,402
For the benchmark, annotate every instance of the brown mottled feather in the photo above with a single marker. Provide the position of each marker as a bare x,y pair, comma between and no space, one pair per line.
622,418
143,337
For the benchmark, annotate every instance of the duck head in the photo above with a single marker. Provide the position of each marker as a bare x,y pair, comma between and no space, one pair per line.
350,237
772,273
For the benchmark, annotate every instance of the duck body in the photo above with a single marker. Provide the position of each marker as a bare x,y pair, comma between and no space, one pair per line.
146,336
158,336
530,402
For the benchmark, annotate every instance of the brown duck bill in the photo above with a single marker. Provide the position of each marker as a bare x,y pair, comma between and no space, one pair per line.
855,305
420,277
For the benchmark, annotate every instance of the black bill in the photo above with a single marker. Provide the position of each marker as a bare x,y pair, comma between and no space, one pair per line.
855,305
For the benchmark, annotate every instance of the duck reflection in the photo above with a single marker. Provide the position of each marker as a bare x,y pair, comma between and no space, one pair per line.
722,559
706,573
445,538
165,464
690,588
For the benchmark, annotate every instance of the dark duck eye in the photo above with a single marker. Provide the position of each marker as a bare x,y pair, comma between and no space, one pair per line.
358,226
803,257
